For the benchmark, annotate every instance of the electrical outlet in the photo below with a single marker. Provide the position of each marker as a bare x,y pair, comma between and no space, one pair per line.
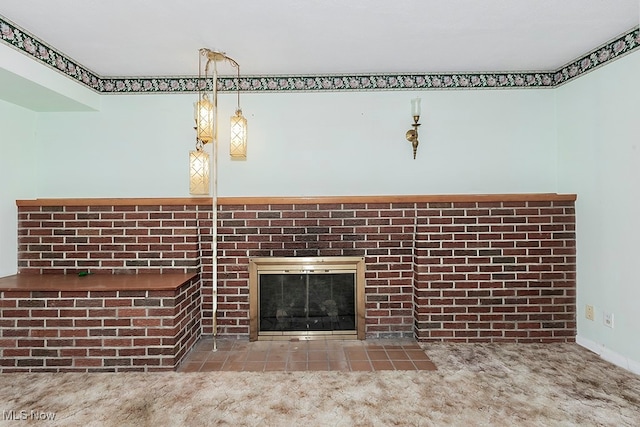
608,319
588,312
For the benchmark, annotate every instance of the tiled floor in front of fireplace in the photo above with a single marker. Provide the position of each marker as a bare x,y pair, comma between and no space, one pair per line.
300,355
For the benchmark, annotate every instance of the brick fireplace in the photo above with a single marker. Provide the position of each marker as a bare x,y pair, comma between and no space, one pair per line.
461,267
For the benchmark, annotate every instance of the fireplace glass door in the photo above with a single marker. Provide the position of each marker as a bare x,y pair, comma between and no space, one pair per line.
306,298
308,302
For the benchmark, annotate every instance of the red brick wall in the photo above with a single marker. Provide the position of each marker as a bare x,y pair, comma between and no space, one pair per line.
481,268
98,331
380,232
116,238
467,271
498,271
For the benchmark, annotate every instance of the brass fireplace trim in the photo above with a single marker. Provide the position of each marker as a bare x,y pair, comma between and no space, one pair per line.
306,264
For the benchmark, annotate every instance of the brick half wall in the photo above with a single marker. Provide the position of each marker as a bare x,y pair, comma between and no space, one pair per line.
98,331
462,267
495,271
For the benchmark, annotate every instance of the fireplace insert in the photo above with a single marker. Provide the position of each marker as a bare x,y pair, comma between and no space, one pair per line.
306,298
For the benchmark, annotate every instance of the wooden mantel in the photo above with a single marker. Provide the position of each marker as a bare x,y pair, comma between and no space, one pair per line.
193,201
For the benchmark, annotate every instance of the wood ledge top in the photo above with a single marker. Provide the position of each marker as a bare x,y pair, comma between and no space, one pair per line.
94,282
207,201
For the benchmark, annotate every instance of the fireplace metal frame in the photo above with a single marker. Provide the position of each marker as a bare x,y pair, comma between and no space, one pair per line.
297,265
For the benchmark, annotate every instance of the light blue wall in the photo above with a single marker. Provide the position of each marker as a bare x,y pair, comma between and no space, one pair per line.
26,88
18,165
599,159
307,144
135,146
354,143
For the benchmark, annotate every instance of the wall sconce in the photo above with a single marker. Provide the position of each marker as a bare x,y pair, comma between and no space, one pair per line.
412,134
206,117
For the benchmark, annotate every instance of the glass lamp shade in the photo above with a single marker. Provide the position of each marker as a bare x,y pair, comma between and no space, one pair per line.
238,147
204,116
198,172
415,107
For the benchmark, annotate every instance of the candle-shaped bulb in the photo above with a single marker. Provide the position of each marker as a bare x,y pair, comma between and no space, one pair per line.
415,107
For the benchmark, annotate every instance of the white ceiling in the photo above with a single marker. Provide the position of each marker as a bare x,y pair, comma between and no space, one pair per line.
276,37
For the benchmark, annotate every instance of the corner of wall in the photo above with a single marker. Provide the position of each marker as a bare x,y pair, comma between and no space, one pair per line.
31,85
609,355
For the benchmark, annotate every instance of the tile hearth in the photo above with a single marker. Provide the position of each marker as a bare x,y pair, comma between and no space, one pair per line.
296,355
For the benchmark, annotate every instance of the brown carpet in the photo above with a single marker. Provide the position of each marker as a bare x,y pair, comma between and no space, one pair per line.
474,385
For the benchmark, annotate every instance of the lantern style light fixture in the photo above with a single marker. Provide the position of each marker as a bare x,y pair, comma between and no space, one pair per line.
206,118
198,171
238,146
412,134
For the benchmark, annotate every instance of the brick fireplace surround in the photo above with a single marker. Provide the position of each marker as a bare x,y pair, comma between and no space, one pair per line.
468,268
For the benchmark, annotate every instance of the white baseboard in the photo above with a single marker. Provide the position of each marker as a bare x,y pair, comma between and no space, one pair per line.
609,355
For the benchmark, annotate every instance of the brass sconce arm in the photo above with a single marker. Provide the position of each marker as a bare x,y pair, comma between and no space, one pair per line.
412,135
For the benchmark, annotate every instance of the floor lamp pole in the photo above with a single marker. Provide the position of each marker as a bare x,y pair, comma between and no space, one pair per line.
214,214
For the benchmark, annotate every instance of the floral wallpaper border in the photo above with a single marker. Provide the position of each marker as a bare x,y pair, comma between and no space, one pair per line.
23,41
40,51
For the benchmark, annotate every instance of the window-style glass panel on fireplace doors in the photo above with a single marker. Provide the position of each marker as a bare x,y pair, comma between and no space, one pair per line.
316,301
306,298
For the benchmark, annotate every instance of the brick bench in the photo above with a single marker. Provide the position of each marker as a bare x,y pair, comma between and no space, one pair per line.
98,323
